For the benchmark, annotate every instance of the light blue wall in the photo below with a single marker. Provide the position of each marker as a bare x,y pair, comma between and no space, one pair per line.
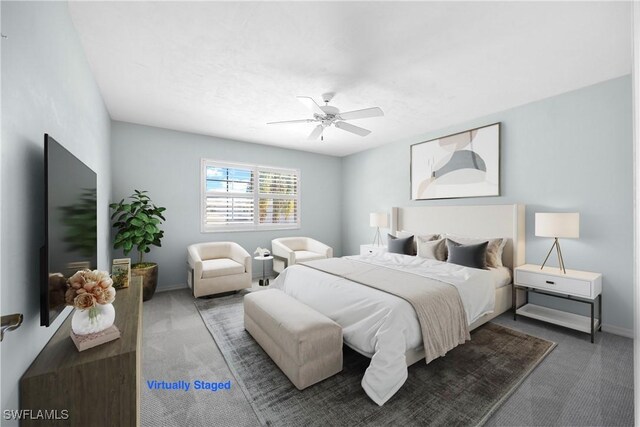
47,86
572,152
167,164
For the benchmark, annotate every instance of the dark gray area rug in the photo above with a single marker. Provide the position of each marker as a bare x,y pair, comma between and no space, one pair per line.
464,388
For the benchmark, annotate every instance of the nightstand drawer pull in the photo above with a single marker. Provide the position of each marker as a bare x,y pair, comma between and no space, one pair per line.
550,282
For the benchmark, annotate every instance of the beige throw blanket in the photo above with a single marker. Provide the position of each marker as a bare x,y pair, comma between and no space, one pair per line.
438,305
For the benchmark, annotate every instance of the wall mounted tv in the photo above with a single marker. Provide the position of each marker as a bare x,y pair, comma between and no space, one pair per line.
70,225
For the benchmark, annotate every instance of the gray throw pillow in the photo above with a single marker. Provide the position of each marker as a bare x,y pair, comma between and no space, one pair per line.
400,246
494,249
474,256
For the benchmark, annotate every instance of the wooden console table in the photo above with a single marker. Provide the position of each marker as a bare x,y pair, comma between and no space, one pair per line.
99,386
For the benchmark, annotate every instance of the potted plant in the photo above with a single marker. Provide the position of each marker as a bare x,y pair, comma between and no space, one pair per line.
137,224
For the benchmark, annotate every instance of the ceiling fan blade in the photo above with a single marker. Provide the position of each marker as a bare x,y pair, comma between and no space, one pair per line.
362,114
311,104
353,129
292,121
316,132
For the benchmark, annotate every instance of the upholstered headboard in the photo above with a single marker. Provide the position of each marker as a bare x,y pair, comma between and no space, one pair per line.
474,221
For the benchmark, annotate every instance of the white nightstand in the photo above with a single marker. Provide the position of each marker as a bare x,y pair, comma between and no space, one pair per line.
581,286
372,249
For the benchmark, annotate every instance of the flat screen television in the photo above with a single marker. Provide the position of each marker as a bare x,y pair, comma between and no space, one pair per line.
70,225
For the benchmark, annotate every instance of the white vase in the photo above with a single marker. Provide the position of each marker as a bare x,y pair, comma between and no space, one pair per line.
83,324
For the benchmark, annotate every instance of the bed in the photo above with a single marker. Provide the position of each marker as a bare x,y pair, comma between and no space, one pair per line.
385,327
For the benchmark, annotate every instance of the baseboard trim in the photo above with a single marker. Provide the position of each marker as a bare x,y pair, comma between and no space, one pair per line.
173,287
185,286
269,276
617,330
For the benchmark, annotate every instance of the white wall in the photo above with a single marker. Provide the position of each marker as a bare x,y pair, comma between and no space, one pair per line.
572,152
167,164
47,87
636,182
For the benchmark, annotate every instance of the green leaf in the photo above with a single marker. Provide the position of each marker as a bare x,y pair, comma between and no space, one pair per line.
138,231
127,246
136,222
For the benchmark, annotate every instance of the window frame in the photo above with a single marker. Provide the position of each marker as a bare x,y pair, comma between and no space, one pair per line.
256,195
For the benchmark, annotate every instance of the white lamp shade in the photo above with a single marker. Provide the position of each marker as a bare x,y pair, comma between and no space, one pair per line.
378,219
566,225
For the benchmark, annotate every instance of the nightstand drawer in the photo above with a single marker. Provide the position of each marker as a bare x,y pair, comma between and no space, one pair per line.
372,249
562,285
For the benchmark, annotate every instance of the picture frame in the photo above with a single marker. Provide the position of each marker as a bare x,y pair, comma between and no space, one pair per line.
121,272
461,165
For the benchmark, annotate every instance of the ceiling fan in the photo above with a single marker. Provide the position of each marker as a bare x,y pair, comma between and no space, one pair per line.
327,115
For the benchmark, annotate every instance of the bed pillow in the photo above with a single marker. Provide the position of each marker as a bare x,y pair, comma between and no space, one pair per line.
397,245
495,248
432,249
474,256
403,234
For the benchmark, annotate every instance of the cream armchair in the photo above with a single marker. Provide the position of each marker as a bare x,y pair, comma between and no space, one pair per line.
218,267
287,251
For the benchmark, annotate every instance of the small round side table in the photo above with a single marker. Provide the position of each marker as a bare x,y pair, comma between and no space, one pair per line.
264,281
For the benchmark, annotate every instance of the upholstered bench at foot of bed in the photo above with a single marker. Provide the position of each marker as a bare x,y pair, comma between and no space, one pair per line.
306,345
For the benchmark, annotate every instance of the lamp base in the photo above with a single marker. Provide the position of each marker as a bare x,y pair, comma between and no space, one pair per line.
556,244
377,239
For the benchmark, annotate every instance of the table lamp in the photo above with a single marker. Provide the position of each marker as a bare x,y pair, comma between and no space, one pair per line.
556,225
378,219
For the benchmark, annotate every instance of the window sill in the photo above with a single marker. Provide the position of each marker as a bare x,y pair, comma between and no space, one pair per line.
249,229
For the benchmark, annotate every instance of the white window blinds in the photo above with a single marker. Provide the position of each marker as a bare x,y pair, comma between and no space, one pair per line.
242,197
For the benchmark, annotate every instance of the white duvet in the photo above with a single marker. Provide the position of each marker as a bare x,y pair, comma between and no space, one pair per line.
380,325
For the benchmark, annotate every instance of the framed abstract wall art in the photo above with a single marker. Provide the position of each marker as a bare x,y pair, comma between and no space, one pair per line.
465,164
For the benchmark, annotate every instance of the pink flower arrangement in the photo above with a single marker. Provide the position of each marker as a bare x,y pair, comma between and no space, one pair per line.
88,288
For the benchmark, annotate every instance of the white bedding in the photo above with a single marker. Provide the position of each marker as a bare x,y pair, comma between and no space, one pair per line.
501,276
380,325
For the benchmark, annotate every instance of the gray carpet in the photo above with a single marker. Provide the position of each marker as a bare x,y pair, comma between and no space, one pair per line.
463,388
177,346
578,383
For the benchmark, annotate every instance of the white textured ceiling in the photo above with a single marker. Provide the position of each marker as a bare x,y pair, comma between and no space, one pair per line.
228,68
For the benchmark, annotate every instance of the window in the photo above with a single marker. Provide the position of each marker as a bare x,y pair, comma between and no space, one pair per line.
239,196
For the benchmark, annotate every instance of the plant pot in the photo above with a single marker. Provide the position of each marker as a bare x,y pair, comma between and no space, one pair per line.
149,274
83,324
